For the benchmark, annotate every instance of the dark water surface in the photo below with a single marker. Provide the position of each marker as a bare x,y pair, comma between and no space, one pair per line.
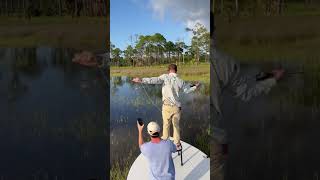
130,101
276,136
53,116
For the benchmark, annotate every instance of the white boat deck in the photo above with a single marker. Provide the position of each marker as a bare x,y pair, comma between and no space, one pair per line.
196,165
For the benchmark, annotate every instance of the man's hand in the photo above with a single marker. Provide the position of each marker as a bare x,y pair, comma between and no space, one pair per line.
137,80
197,85
140,128
278,73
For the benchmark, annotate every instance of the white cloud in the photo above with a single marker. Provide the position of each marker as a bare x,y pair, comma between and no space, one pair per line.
189,12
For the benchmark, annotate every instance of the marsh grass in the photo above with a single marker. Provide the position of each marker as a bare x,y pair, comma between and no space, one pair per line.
85,128
83,32
189,72
268,38
120,169
202,141
299,8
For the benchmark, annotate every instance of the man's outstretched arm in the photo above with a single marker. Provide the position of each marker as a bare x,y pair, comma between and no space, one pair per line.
151,80
246,88
188,88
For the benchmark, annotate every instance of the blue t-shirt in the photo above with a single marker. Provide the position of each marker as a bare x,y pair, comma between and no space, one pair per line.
160,159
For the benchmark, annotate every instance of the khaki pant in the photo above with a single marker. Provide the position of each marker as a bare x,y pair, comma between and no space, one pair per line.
171,114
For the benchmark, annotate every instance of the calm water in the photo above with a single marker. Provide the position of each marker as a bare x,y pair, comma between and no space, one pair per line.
276,136
130,101
53,116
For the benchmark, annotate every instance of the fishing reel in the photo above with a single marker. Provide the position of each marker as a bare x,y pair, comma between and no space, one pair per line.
262,76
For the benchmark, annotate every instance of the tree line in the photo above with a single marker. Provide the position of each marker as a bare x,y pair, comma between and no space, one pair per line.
155,49
257,7
33,8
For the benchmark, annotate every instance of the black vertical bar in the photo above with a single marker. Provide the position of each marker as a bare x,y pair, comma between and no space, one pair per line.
107,70
181,157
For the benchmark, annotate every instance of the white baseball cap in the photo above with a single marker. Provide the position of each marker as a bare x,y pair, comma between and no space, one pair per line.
153,128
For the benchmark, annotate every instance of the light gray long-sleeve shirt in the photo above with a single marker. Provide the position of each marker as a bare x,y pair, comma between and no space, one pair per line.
172,86
225,76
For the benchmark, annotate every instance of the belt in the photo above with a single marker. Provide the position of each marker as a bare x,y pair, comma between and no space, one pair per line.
171,105
168,104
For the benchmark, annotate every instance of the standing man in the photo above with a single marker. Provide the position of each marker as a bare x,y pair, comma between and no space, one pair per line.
172,86
158,153
228,77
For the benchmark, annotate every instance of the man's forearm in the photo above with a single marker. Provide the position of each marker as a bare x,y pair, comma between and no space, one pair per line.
140,139
189,89
246,92
151,80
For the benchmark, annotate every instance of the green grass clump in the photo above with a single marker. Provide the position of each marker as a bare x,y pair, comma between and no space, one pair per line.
120,169
119,172
202,141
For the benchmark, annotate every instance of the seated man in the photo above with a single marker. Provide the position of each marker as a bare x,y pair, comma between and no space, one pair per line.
158,153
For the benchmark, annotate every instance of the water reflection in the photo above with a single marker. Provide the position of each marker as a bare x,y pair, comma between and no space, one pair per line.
53,116
274,136
130,101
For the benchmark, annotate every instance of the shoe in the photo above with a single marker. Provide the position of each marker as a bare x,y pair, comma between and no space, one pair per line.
179,147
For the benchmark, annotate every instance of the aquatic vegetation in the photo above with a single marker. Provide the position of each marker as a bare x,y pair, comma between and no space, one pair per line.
47,119
203,139
119,171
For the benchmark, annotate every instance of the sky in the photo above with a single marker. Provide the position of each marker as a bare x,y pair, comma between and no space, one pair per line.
146,17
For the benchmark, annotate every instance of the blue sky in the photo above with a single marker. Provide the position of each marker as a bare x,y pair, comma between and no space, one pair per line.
130,17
